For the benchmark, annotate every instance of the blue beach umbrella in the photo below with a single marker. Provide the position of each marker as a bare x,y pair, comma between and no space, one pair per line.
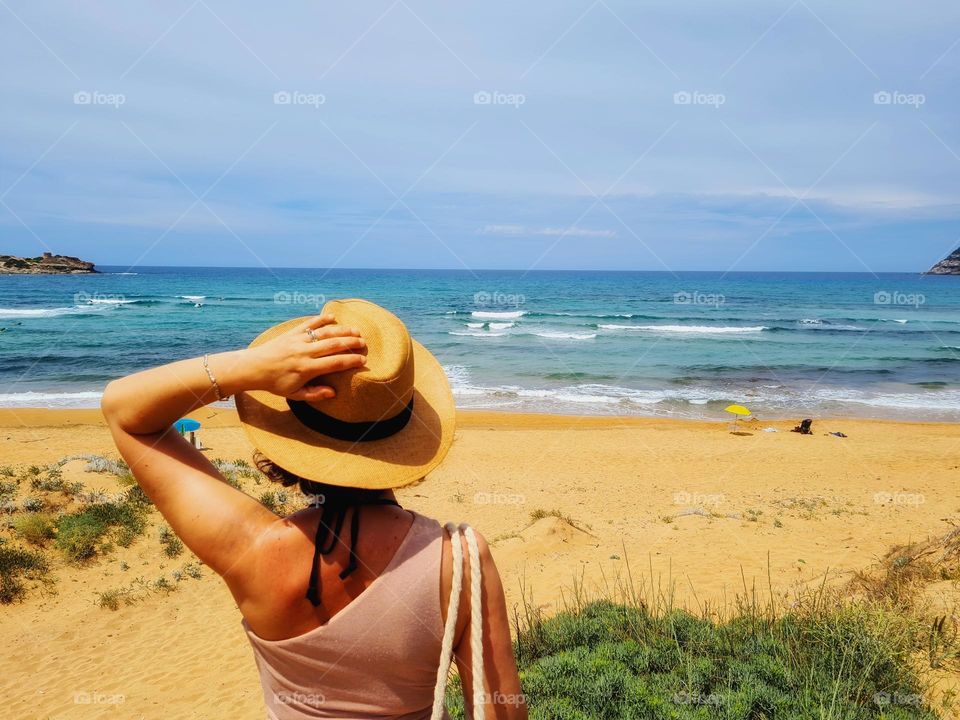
184,425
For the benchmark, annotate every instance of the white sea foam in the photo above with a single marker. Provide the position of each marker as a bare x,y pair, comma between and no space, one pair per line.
773,399
52,399
34,312
50,312
491,315
476,333
490,325
109,301
826,325
556,335
586,394
932,400
457,374
588,315
689,329
194,298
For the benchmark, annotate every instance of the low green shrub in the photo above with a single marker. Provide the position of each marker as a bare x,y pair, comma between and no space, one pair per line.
136,496
607,661
80,534
172,545
8,490
275,501
109,600
15,564
33,504
35,528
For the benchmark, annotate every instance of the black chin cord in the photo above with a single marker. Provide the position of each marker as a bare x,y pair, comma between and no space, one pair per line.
328,534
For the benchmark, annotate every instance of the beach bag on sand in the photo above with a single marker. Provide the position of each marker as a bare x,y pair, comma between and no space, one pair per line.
804,427
476,626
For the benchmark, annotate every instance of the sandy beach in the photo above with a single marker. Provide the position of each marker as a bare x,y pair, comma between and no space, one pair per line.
697,511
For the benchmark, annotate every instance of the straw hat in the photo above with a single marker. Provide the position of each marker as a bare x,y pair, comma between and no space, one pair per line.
390,423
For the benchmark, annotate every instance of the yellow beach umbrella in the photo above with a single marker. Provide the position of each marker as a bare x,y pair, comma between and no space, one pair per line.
738,411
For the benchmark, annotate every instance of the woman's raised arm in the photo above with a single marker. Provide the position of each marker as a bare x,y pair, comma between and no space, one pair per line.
217,522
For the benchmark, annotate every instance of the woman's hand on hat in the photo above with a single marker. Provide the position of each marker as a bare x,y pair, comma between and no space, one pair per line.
286,364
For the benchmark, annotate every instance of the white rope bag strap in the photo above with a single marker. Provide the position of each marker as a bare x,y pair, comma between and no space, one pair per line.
453,611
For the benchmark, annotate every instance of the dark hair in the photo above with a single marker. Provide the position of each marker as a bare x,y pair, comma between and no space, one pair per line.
322,493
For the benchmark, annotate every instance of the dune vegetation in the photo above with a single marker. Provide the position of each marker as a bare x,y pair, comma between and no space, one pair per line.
864,650
47,522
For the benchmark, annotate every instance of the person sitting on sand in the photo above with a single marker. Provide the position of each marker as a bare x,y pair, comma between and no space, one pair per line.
348,407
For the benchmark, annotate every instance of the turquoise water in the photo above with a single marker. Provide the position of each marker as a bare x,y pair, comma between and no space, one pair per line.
649,343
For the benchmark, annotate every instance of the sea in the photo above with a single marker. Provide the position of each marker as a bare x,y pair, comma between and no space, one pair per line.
786,345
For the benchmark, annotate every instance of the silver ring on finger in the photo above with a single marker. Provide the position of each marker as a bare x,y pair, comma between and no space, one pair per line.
312,335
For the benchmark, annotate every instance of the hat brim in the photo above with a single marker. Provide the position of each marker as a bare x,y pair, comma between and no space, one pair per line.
392,462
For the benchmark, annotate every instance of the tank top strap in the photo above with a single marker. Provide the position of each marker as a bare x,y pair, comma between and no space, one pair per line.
328,535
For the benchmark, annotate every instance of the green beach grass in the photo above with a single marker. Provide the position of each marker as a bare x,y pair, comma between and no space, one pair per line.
45,521
832,655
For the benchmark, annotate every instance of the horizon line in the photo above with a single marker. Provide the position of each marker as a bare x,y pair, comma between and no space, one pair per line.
129,268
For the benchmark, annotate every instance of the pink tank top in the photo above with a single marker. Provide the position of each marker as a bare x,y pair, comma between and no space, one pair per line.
377,657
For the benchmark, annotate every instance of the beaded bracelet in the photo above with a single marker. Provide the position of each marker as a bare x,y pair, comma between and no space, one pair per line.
213,380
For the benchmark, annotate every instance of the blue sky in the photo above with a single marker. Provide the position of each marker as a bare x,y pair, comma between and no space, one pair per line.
742,135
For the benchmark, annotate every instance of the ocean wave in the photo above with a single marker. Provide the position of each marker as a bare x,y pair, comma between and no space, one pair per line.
575,375
597,394
490,325
50,399
688,329
497,315
52,312
820,324
546,314
600,316
932,400
477,333
556,335
846,328
457,373
110,301
492,329
775,400
194,298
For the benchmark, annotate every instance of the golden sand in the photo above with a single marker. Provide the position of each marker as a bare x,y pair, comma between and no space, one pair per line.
689,505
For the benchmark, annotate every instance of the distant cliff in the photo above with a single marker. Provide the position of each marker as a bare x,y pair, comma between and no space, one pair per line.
950,265
45,264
